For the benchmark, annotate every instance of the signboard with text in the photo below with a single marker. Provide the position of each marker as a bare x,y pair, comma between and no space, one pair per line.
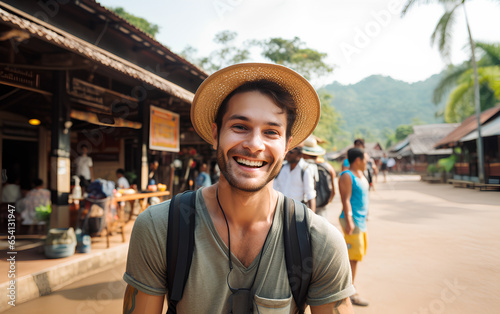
163,130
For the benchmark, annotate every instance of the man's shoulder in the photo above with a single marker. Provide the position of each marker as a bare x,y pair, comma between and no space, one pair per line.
322,231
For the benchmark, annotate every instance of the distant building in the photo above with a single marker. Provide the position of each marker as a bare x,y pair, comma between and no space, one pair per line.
417,151
464,137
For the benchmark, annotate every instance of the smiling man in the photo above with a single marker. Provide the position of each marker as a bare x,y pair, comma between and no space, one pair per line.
252,114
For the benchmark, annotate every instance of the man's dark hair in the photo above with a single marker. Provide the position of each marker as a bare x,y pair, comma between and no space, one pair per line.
38,182
359,141
120,171
280,96
354,153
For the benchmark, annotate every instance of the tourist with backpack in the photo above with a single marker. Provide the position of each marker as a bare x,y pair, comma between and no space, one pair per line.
296,179
324,173
239,246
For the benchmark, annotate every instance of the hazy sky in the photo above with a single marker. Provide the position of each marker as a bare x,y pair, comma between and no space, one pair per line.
361,37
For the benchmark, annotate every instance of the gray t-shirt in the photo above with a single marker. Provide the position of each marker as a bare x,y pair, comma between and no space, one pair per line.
206,290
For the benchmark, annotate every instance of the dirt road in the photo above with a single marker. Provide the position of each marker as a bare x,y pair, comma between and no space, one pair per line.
432,249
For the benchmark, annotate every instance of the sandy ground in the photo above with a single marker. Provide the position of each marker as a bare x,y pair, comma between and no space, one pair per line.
432,249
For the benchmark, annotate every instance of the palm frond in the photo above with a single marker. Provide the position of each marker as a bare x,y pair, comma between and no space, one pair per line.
443,31
408,5
449,81
460,103
491,52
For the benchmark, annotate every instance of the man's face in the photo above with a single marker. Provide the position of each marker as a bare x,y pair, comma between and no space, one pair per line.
251,143
293,156
361,163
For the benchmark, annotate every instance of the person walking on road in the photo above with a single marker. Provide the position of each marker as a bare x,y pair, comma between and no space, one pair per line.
252,114
371,169
312,153
384,161
353,188
297,179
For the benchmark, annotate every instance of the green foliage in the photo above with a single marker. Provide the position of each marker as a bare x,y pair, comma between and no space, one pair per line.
376,106
460,104
226,55
293,54
42,212
329,123
432,168
403,131
460,80
447,163
139,22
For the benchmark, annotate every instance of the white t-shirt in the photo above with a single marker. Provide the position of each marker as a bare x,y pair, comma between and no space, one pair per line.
123,183
83,164
293,185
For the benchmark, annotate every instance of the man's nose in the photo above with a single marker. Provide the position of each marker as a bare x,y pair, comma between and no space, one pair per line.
255,142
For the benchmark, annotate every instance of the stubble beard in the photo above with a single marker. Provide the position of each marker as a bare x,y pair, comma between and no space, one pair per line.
232,179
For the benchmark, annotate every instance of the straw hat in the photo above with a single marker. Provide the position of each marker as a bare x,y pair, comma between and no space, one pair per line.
217,86
312,148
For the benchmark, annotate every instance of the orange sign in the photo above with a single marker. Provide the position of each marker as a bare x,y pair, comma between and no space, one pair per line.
163,130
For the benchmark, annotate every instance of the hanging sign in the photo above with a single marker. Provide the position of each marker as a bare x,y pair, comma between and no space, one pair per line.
163,130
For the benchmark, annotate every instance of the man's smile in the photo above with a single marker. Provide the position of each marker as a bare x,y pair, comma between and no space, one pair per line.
250,163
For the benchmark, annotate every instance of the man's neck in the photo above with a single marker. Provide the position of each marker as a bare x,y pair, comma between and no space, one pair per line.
242,209
358,172
294,164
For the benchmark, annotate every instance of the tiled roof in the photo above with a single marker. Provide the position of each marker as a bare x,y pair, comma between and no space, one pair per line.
67,41
469,125
490,128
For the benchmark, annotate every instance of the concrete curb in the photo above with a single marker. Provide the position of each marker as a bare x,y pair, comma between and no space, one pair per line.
51,279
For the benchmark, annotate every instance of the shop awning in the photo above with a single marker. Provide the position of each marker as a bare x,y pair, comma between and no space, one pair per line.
106,120
52,34
491,128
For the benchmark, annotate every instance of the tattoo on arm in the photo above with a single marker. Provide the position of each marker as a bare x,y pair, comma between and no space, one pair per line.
129,300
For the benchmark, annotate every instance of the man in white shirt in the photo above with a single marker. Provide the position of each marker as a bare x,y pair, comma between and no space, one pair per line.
84,167
296,179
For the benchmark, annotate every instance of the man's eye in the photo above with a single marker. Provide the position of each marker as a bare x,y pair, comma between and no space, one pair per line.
272,132
239,127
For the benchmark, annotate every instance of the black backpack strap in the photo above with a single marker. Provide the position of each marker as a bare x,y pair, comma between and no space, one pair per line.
180,245
298,252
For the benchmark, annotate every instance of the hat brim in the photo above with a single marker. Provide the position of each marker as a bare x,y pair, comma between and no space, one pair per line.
316,151
219,85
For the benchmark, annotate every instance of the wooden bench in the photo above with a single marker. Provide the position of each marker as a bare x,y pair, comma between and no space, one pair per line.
431,179
462,183
487,186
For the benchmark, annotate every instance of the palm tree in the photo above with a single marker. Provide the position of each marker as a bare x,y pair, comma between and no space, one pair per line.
442,31
460,79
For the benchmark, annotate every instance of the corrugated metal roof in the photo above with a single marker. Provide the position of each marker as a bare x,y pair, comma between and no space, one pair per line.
81,47
469,125
491,128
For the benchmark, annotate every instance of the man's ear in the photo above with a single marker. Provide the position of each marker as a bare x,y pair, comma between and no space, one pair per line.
287,146
215,136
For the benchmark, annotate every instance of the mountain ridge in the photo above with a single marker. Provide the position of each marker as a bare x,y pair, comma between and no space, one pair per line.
378,104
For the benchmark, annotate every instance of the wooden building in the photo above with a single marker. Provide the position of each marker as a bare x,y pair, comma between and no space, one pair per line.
417,152
82,75
464,137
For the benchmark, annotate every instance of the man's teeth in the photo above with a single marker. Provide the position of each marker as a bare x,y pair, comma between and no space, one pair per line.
250,163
